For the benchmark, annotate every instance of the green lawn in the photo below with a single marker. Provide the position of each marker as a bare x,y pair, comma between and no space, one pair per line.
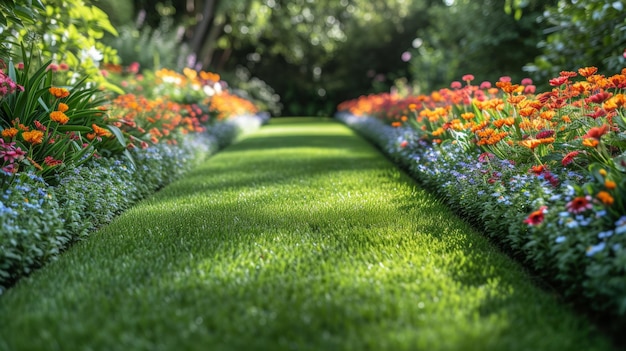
300,237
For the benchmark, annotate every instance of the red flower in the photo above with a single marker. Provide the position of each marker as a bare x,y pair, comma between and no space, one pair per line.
50,161
558,81
536,217
579,204
597,113
404,144
537,170
544,134
569,158
596,132
599,97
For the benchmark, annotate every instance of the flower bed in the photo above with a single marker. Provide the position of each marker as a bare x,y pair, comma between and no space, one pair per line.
76,157
542,173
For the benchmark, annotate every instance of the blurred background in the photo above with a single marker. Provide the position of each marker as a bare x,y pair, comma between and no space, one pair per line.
303,57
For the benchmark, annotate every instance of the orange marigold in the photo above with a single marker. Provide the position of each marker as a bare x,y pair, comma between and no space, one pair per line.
609,184
59,117
59,92
9,132
101,132
63,107
605,198
33,137
587,71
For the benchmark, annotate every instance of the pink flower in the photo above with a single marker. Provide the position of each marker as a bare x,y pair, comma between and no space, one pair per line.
527,81
485,85
530,89
456,85
467,78
579,204
505,79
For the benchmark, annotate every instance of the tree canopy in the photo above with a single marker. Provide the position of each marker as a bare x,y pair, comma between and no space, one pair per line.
316,53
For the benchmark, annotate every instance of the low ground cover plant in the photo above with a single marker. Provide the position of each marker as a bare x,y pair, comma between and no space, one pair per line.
543,172
72,156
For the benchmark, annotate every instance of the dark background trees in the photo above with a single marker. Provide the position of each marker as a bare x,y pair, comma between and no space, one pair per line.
317,53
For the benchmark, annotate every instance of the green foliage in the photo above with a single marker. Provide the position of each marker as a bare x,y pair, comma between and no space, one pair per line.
472,37
581,33
65,31
152,48
15,15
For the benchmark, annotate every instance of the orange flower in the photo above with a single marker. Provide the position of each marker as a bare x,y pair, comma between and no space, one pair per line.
33,137
587,71
605,198
609,184
9,132
59,117
59,92
467,115
101,132
590,142
396,124
527,111
547,115
63,107
530,143
516,99
615,102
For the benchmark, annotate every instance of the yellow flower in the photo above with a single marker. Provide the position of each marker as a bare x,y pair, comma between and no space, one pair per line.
59,117
590,142
33,137
605,198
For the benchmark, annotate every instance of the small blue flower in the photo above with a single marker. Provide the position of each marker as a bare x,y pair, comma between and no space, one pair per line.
606,234
560,239
594,249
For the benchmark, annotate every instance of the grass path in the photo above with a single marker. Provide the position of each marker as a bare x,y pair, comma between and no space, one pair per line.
300,237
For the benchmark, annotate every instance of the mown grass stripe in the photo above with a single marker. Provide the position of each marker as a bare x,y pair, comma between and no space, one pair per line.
300,237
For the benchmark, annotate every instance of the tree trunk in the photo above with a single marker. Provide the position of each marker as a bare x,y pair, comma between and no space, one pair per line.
201,30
